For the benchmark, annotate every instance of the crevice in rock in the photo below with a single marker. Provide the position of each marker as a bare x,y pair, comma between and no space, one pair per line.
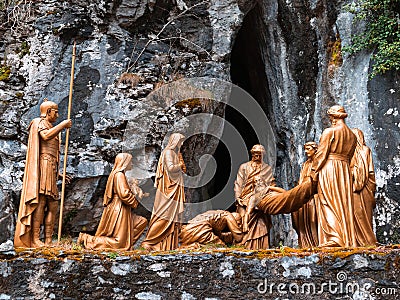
247,72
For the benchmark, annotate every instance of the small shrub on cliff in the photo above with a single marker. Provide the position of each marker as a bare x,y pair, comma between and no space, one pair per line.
130,78
23,49
382,33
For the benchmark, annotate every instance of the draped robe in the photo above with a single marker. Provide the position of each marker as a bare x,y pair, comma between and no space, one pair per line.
335,209
168,204
305,219
208,228
119,228
284,202
248,176
364,188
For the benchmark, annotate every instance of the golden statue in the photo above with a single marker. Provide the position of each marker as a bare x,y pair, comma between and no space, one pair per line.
305,219
214,226
170,196
279,201
119,228
39,196
335,184
253,177
364,189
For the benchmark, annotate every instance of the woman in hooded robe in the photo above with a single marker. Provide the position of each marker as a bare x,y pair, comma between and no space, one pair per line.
168,204
119,228
364,188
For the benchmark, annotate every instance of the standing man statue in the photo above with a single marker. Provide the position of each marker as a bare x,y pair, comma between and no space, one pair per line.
252,179
39,197
305,219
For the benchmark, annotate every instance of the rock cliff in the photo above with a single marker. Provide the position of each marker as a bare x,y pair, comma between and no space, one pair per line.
285,54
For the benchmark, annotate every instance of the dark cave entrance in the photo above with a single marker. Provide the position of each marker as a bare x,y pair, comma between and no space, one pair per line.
247,72
247,61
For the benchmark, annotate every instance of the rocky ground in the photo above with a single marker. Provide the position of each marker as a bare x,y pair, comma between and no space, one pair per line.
69,272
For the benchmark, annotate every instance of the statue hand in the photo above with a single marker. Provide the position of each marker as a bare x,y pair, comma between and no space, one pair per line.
183,167
146,195
67,123
314,176
239,201
135,204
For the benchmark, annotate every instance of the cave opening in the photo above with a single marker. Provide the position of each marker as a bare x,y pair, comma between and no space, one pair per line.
247,72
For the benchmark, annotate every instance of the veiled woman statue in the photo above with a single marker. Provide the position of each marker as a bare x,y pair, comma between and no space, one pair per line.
364,188
170,196
335,184
119,228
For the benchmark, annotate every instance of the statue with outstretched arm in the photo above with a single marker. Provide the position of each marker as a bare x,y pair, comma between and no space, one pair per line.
279,201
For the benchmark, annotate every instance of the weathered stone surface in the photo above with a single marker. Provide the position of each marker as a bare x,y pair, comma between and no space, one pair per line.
203,276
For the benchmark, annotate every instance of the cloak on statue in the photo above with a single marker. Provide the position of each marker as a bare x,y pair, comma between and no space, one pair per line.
30,188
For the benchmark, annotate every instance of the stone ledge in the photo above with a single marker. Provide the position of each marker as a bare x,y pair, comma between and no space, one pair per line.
210,274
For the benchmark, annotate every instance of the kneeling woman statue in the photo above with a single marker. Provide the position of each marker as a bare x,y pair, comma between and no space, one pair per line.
119,228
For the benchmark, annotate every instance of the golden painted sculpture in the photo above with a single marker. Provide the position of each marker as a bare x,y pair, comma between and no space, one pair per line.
279,201
276,200
253,177
119,227
305,219
364,189
335,183
39,197
170,196
214,226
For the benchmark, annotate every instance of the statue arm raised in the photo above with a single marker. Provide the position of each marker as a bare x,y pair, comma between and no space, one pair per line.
48,134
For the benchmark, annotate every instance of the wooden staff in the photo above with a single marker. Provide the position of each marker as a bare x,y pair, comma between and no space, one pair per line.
71,85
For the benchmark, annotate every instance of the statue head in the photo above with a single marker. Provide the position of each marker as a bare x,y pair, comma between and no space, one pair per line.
46,107
175,141
310,148
123,162
257,153
337,112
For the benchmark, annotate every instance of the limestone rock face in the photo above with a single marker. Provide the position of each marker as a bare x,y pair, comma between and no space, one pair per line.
284,53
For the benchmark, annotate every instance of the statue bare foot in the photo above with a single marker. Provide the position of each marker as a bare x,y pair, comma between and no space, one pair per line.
37,244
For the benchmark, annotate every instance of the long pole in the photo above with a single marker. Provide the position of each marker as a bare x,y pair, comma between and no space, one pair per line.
71,85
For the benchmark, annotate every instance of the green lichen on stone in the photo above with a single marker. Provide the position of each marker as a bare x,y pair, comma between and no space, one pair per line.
5,72
112,255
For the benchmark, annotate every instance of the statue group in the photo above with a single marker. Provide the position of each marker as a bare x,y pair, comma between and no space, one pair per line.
332,205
